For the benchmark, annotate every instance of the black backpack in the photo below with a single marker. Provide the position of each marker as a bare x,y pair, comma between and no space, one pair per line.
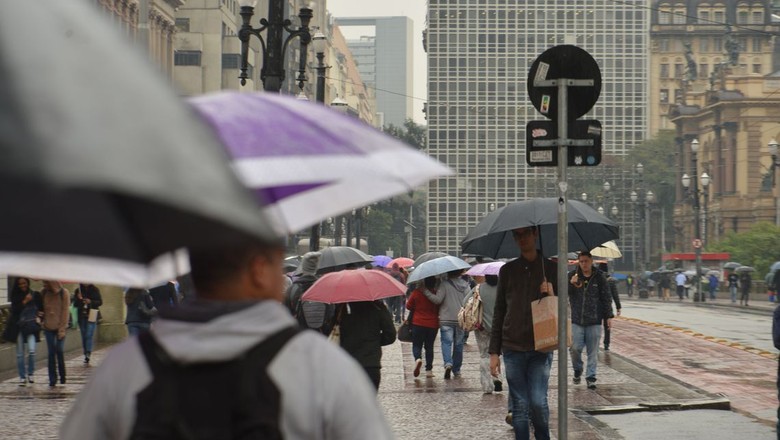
227,400
29,323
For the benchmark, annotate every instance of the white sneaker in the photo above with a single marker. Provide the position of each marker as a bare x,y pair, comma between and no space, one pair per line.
417,367
22,382
30,379
429,373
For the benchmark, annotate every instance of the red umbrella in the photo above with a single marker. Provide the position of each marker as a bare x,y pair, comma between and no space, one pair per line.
402,262
353,285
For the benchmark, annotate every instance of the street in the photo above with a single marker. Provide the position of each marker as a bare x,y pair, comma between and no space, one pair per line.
662,364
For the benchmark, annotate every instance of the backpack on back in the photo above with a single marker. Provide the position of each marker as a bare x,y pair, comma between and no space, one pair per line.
234,399
470,315
29,322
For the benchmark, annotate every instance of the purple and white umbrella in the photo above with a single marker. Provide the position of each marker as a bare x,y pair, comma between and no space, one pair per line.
483,269
308,162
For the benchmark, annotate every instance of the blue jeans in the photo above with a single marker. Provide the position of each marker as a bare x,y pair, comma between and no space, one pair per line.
87,333
20,343
585,337
452,346
56,354
528,375
136,328
423,337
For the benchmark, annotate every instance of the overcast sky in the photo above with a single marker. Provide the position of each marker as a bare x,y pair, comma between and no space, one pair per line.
414,9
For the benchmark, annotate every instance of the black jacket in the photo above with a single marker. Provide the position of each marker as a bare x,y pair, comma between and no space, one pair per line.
11,332
365,329
88,291
592,302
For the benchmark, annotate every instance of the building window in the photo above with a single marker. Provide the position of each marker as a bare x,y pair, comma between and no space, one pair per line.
663,45
704,45
742,16
756,44
704,70
719,17
664,96
664,71
664,16
679,16
678,96
231,61
678,70
704,16
757,68
717,44
758,17
183,24
186,58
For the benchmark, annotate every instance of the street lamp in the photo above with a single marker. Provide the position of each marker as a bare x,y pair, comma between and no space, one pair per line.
272,73
319,44
614,211
606,187
649,199
584,197
773,151
600,210
634,197
694,193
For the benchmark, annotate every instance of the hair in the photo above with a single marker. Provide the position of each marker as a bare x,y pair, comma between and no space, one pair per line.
586,253
454,273
491,280
603,267
212,267
430,283
132,294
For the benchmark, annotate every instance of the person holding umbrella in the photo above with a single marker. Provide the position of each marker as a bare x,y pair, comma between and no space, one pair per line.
425,324
521,282
449,296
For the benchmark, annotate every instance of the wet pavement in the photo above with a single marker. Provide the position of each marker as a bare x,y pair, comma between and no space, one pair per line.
656,377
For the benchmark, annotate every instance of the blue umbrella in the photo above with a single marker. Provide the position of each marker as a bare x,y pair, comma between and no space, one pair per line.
437,266
381,260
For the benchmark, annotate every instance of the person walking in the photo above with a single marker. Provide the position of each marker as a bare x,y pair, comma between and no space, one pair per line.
322,392
449,296
745,282
165,295
591,303
487,289
56,303
630,285
140,311
713,285
87,301
613,291
425,324
733,280
679,280
521,282
23,327
366,326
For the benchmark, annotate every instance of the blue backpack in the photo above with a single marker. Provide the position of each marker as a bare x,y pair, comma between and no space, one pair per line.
29,323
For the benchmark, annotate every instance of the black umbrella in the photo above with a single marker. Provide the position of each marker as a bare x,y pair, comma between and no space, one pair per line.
732,265
109,165
428,256
492,236
335,256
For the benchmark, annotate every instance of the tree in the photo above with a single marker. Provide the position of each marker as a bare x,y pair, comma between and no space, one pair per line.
412,133
758,247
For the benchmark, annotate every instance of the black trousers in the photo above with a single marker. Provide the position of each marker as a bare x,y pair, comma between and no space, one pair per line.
606,333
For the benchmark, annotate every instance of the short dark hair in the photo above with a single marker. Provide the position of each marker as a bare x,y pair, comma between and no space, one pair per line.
491,280
586,253
213,266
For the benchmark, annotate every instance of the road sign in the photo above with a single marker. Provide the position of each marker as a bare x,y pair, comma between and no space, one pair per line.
570,62
696,243
541,141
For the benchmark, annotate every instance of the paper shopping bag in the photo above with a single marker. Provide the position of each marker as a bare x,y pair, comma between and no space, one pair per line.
545,317
93,315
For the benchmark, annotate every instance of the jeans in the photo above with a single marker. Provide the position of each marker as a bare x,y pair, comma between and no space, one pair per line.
585,337
423,337
56,350
607,333
485,378
21,341
136,328
87,333
528,375
452,346
733,291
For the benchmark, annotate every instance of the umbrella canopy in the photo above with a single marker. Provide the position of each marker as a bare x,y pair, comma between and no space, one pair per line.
353,285
775,266
291,263
437,266
483,269
713,272
335,256
745,269
381,260
113,168
309,162
607,250
428,256
492,236
402,262
732,265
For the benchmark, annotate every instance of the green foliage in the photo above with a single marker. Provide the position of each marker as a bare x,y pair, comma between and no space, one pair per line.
759,247
412,133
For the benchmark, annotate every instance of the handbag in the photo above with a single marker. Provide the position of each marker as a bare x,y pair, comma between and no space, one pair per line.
470,315
93,315
335,332
545,319
405,330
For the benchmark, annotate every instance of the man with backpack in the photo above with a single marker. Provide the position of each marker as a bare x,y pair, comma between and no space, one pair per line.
310,314
230,363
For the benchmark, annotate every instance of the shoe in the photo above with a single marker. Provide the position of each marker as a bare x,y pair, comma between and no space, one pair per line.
62,380
591,384
508,418
498,386
447,372
30,379
429,373
52,384
577,378
457,375
417,367
606,348
22,382
86,359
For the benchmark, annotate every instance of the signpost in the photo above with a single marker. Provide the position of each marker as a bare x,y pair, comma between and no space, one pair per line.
552,75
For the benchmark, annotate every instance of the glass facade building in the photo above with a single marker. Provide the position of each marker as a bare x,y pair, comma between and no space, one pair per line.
479,55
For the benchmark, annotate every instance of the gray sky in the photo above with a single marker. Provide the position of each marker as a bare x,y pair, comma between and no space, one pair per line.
414,9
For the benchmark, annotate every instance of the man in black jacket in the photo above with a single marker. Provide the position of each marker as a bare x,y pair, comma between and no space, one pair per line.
590,302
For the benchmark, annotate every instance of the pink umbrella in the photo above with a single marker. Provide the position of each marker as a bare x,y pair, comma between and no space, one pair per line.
353,285
402,262
483,269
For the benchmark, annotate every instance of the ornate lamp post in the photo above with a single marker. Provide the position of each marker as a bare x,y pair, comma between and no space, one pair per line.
320,44
694,193
773,147
272,74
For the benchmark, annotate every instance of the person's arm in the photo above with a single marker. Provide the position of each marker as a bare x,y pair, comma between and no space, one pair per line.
64,312
386,325
615,295
435,297
97,300
410,302
605,299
